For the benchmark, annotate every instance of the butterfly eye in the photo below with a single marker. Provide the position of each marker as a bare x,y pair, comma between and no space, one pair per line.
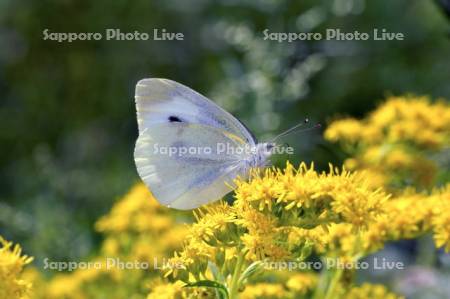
269,146
173,118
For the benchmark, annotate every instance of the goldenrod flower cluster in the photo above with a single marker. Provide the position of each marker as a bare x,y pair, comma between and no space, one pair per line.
135,222
279,218
407,216
137,229
264,226
440,220
161,290
292,214
371,291
280,215
12,262
265,290
398,143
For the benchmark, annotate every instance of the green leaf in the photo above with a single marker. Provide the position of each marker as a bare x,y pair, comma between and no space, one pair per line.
210,284
216,272
252,269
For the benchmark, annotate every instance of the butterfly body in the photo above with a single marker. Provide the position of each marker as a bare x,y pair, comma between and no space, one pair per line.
260,157
189,150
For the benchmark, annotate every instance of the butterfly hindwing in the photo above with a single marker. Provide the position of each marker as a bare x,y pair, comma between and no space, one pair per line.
191,179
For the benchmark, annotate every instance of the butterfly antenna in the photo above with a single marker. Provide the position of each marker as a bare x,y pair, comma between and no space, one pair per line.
295,128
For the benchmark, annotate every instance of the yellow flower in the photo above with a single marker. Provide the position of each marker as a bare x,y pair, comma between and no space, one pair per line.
394,141
302,283
279,215
399,158
305,239
136,230
351,164
177,290
378,176
261,191
307,198
12,262
260,247
371,291
264,290
214,223
340,242
347,129
132,213
441,218
166,291
138,219
261,238
192,259
441,225
62,286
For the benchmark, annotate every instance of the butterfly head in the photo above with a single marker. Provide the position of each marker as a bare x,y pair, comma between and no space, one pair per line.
261,154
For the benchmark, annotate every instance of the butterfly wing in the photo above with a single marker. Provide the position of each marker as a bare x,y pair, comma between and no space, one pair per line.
164,101
187,180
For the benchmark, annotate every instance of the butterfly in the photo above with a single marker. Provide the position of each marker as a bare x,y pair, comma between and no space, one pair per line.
190,150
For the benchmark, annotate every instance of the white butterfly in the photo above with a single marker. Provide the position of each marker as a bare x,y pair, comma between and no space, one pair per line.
172,117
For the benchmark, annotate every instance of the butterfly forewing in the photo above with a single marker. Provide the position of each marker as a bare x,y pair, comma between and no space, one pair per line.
164,101
172,117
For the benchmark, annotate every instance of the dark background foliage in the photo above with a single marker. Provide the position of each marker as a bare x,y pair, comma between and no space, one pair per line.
67,111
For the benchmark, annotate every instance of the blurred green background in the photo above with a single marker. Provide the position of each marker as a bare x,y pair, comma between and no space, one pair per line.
67,111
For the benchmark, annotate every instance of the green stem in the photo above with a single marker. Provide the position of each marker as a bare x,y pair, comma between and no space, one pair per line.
337,275
426,251
334,282
319,292
234,286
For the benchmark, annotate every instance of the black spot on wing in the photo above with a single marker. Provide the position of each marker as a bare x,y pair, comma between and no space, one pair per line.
174,118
